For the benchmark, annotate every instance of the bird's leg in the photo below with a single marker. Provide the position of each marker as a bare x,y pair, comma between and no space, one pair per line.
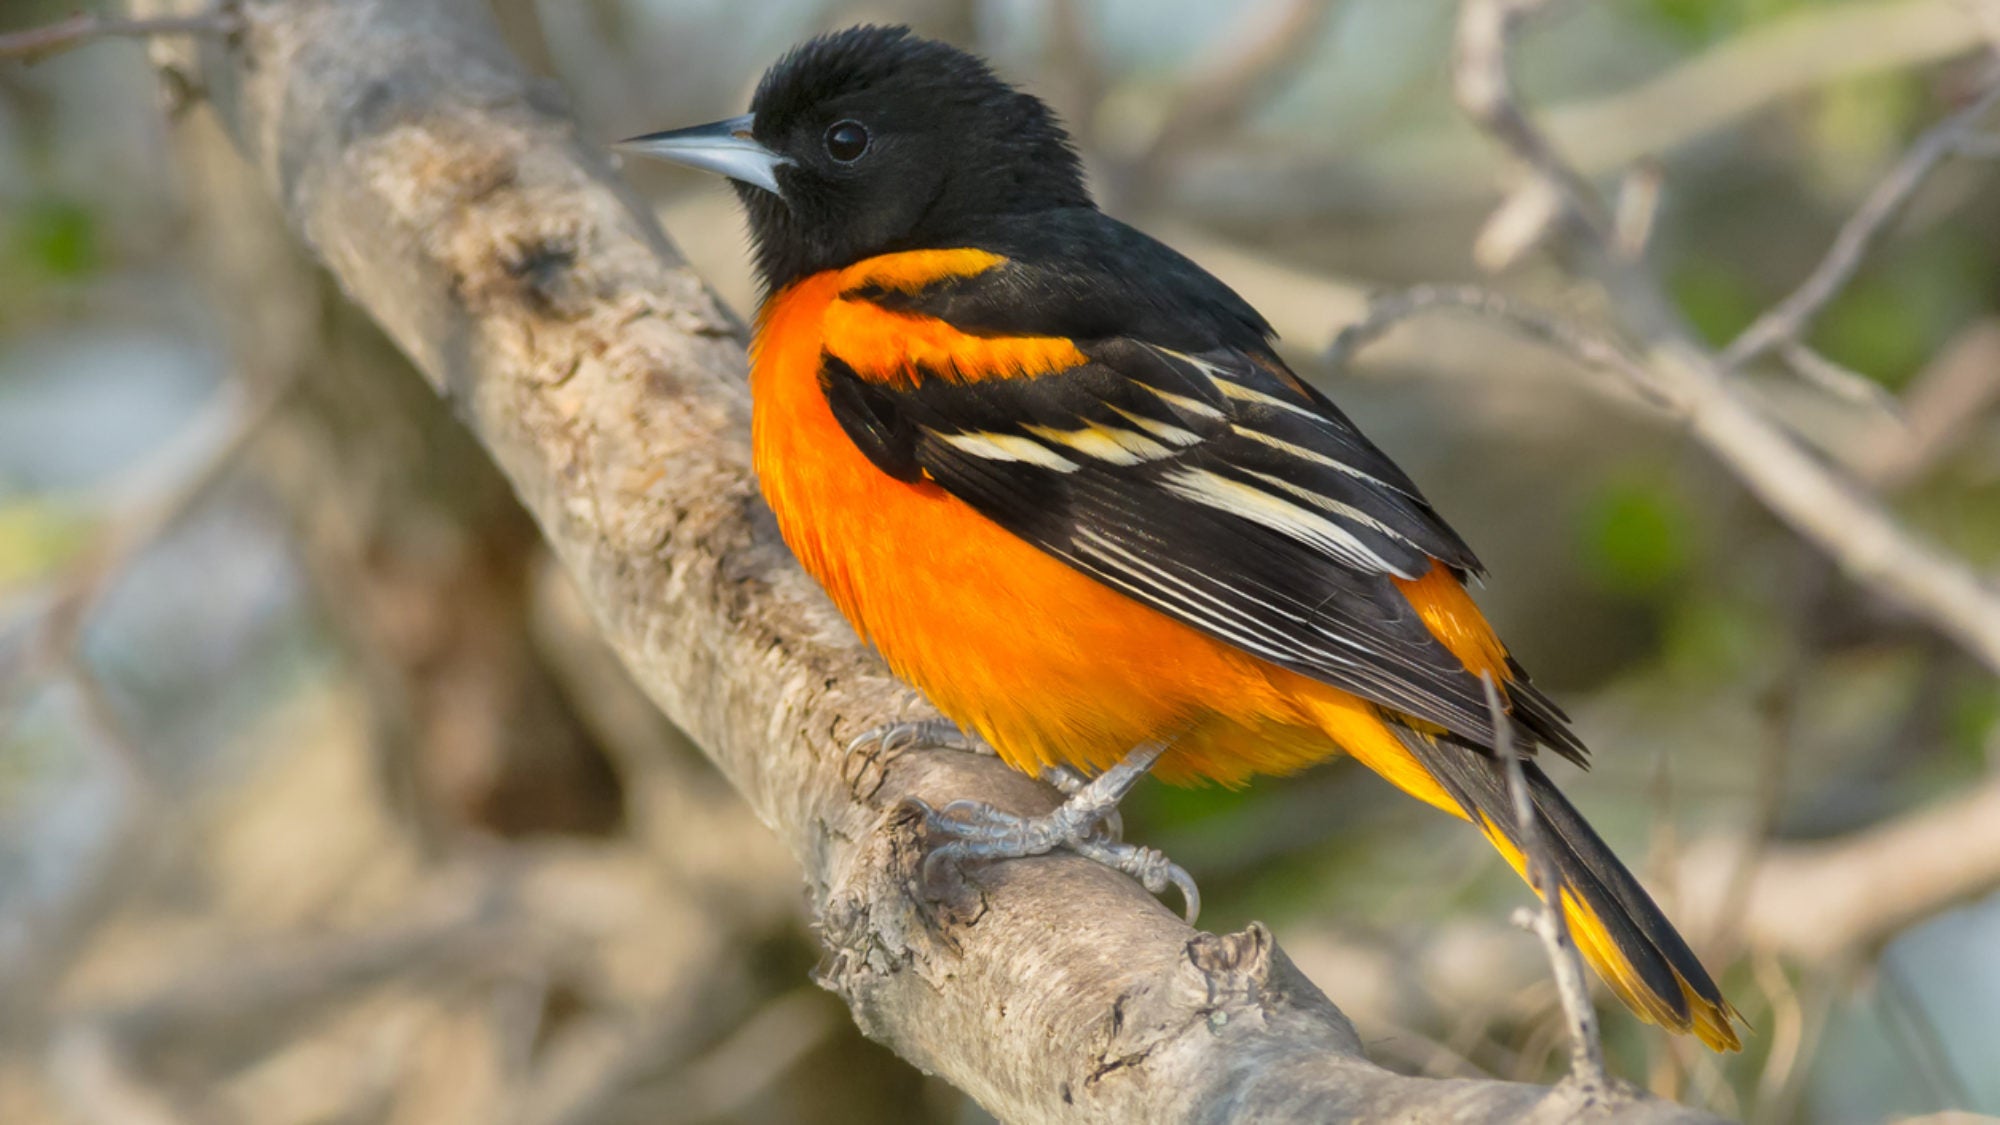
1070,782
929,734
1083,824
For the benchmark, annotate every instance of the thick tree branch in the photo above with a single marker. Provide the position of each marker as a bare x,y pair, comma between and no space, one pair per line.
461,211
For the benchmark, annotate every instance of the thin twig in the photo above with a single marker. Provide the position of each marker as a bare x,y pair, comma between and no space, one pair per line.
1240,76
1275,43
1387,310
54,646
1838,380
1917,1037
1788,320
1638,207
41,42
1829,510
130,532
1586,1051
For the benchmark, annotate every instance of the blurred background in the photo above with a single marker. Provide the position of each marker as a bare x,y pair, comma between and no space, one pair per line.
317,793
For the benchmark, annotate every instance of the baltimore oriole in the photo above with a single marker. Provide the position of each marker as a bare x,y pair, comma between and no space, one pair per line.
1058,476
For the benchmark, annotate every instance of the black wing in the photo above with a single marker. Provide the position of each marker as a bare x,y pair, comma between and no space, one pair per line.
1198,476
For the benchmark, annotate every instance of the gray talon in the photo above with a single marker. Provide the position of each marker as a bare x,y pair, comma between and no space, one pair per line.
1086,823
1149,866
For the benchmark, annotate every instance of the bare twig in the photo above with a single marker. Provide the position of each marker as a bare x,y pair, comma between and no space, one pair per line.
1239,75
1947,402
1708,94
1827,509
53,647
1387,310
1586,1050
1788,320
1274,43
41,42
230,427
1637,207
1841,382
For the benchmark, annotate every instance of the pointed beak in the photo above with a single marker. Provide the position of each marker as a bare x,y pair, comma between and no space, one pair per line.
724,146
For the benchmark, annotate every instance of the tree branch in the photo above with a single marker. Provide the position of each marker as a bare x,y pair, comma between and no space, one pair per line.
1786,322
430,176
1828,510
39,43
1839,900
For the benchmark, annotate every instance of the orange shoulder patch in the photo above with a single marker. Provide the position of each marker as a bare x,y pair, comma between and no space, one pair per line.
888,346
883,346
911,270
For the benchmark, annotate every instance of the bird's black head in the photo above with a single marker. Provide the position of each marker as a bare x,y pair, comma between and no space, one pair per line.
872,140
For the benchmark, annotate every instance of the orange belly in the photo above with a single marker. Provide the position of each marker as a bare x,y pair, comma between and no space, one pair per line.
1045,663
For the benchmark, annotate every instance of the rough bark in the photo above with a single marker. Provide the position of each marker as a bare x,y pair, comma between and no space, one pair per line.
456,204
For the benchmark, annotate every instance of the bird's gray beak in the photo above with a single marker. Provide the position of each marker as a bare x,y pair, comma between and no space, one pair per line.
724,146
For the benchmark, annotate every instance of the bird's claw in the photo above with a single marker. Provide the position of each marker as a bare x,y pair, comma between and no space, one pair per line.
1086,823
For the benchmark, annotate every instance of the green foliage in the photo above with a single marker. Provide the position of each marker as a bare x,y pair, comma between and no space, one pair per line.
1963,517
1636,536
1705,21
1869,118
1898,313
1713,638
56,238
1972,717
1717,300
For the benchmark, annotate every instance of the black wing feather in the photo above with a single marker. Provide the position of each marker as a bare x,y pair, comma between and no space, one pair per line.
1185,467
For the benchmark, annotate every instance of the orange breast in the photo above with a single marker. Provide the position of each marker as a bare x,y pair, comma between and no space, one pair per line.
1045,663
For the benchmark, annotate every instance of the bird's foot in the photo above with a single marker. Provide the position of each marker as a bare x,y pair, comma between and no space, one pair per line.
1086,823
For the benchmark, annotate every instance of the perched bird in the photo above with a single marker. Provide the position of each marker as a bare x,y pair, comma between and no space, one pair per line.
1058,476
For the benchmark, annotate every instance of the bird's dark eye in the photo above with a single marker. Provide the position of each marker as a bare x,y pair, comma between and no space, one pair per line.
846,141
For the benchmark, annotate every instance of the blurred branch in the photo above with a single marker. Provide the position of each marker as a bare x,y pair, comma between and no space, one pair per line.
1386,311
1785,324
412,545
1940,409
1838,900
1827,509
1809,47
1711,92
54,648
41,42
496,250
1223,92
232,424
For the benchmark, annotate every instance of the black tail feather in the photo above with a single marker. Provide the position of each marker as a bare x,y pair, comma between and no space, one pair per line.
1657,959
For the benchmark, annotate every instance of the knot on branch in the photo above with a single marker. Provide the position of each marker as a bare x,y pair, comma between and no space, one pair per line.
1233,967
880,920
